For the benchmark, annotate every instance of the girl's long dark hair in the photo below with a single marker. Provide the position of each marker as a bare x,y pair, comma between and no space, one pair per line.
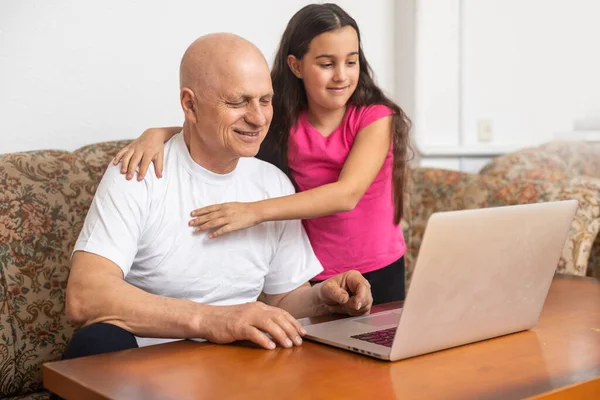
290,96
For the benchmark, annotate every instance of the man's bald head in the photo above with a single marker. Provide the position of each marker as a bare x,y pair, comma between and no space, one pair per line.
226,95
212,57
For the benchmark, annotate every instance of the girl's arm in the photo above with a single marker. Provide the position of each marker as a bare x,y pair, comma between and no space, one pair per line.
147,148
364,162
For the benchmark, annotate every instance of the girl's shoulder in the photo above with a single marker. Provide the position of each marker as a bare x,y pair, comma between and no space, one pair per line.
360,117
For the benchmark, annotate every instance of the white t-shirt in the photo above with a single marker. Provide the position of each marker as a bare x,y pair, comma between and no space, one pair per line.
143,228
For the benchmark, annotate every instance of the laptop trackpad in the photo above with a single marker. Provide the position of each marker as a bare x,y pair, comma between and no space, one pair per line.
391,318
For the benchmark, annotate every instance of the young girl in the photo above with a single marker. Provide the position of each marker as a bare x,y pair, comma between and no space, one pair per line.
343,143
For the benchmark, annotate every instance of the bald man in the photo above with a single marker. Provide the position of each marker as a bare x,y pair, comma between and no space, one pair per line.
140,275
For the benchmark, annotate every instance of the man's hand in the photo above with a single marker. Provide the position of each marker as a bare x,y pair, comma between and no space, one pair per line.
250,321
348,293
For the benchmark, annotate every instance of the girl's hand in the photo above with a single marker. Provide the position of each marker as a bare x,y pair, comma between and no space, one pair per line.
147,148
229,217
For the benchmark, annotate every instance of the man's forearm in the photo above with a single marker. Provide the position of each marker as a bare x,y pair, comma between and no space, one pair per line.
95,296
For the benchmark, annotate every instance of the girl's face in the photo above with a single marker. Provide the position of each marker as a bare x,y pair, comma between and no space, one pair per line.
329,69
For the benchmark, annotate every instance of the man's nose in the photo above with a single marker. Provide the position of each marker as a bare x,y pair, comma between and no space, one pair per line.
256,115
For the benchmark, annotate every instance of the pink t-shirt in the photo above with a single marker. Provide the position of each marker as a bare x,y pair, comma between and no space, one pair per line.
365,238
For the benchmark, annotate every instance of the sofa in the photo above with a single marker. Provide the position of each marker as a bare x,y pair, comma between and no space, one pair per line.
44,197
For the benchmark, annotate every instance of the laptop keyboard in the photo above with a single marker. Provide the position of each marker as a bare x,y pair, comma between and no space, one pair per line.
383,337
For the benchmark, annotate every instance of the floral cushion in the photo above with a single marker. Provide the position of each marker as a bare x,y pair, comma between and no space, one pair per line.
42,395
580,158
552,162
594,263
97,156
528,164
7,348
434,190
43,202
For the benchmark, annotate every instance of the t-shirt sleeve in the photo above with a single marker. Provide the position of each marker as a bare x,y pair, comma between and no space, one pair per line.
294,262
373,113
115,220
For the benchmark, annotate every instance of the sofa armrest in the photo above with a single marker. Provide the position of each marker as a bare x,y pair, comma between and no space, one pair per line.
433,190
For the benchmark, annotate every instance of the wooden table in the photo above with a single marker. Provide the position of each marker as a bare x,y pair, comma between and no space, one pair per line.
562,350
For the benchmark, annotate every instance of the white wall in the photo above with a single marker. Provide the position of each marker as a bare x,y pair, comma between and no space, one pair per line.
495,75
530,66
78,72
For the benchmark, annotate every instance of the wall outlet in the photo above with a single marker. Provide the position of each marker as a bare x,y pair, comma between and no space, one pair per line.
485,131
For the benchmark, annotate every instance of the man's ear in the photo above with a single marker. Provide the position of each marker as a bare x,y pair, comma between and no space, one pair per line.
294,65
188,104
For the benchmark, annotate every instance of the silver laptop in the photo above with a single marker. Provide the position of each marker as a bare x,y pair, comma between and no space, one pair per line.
479,274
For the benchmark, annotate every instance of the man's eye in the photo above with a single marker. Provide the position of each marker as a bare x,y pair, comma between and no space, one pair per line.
328,65
237,103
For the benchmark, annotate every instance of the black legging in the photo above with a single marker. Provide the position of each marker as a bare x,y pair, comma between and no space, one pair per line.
387,283
97,339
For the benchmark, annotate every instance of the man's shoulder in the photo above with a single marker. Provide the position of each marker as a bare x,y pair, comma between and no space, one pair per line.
113,179
268,175
170,160
114,185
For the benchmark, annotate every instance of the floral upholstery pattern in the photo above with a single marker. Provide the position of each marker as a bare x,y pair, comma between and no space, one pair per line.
432,190
42,395
44,198
549,162
554,162
45,195
98,156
